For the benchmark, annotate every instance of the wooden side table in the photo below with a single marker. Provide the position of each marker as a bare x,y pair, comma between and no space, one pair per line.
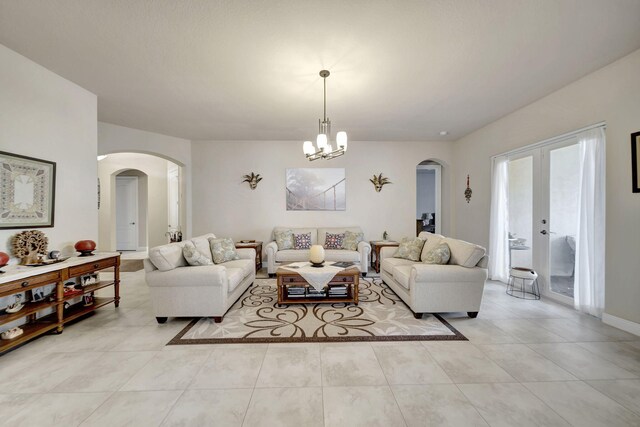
376,246
253,245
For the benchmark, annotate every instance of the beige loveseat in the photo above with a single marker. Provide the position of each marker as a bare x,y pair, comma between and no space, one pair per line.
276,257
180,290
429,288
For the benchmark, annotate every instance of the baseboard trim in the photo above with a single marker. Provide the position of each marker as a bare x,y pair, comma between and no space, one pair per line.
625,325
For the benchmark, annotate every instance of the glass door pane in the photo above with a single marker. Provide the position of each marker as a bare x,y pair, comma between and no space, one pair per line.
564,169
521,212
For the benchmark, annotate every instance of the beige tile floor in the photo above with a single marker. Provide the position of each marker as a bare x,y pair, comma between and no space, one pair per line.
526,363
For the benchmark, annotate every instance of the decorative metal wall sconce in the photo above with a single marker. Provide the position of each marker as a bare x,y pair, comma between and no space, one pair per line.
252,179
468,192
379,181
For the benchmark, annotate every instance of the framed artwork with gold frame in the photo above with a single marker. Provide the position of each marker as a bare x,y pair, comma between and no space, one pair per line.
28,189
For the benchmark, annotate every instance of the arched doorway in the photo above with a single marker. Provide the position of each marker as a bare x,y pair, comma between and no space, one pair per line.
160,202
429,197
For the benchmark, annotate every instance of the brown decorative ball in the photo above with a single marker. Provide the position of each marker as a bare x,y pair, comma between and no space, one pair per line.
85,247
4,259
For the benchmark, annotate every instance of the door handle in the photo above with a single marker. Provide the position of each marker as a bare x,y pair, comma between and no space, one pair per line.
543,232
132,223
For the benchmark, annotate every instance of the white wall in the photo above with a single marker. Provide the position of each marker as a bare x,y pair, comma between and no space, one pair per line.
45,116
155,170
611,94
226,206
120,139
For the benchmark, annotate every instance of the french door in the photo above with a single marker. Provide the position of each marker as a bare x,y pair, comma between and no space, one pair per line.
543,214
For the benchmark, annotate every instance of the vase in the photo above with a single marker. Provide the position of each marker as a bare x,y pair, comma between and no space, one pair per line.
316,255
85,247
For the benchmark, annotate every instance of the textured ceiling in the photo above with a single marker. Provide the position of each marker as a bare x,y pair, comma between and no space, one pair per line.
248,70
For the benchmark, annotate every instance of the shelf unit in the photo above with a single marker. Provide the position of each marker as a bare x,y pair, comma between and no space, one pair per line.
19,279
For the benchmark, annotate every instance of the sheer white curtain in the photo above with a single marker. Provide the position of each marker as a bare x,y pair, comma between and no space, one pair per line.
499,222
589,272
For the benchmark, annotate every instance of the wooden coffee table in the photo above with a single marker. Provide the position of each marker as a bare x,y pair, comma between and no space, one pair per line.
348,278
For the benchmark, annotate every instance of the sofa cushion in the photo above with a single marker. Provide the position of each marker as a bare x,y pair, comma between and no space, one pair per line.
193,256
302,241
438,255
246,265
464,253
284,239
291,255
188,277
333,241
401,275
167,257
223,250
351,240
388,264
341,255
235,276
202,244
410,248
322,232
431,241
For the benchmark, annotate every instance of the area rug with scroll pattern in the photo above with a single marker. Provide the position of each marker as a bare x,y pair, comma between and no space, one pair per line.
257,318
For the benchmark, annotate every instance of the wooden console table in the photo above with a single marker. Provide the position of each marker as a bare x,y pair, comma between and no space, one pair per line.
19,279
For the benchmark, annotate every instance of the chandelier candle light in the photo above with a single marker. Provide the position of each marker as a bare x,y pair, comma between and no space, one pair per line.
323,148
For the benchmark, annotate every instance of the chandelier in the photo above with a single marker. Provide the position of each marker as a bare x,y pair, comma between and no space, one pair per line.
323,148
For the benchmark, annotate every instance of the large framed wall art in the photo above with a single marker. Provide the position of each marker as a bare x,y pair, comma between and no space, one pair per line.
319,189
27,191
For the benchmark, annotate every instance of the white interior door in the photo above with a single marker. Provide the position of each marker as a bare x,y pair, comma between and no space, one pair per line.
174,200
126,213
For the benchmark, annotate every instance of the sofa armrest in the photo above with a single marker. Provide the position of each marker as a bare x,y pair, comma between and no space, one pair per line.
192,276
364,249
148,265
271,249
448,273
387,252
246,253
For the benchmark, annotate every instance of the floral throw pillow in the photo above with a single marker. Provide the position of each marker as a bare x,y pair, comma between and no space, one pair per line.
223,250
410,249
333,241
284,239
438,255
193,255
351,240
302,241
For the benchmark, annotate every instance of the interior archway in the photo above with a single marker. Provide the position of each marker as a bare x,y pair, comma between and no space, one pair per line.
160,196
429,196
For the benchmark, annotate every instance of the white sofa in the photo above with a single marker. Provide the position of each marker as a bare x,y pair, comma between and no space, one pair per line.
276,257
180,290
429,288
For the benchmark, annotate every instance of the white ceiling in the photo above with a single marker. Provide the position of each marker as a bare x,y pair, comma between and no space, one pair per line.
248,70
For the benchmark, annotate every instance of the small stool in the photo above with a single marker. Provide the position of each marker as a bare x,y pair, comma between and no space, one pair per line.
523,274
